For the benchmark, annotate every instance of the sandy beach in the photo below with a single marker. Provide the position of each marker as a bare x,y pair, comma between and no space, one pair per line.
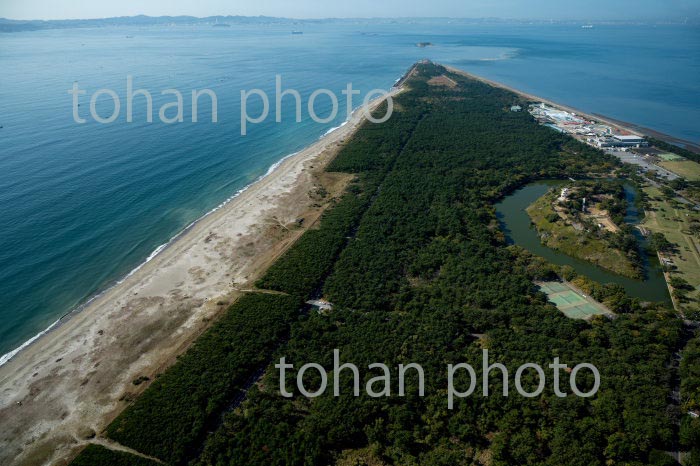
63,390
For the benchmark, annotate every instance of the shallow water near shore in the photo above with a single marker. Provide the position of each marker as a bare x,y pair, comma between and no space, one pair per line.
83,205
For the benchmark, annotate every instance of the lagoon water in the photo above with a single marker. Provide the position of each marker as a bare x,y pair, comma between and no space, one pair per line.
83,205
517,225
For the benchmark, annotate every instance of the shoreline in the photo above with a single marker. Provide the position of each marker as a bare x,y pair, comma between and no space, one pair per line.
62,387
64,318
51,397
627,126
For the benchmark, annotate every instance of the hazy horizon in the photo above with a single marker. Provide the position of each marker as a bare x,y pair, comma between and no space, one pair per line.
657,10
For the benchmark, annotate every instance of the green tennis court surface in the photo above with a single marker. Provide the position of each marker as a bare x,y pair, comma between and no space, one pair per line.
571,303
670,157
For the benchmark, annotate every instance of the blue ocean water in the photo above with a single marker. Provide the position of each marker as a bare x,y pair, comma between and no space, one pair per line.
83,205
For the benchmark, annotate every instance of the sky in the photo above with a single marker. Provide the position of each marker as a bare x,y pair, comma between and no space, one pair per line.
514,9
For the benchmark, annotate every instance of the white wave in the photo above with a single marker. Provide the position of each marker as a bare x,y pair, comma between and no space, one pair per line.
7,356
335,128
354,110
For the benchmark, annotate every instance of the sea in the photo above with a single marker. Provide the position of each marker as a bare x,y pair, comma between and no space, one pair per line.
82,205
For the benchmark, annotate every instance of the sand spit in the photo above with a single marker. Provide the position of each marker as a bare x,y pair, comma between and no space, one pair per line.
66,387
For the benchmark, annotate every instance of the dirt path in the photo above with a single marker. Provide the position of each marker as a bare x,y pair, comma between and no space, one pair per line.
112,445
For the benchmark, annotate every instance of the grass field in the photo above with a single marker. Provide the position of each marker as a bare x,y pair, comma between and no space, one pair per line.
570,301
686,168
674,224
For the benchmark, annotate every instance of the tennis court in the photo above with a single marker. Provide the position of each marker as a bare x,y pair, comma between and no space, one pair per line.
669,157
570,302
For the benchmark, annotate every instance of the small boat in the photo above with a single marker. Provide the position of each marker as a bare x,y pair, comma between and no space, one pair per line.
297,33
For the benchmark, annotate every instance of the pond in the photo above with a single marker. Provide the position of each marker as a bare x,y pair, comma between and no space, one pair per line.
519,230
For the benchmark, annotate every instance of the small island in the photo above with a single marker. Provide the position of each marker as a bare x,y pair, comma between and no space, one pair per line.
585,220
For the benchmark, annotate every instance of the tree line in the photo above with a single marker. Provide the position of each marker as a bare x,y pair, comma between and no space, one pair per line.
419,271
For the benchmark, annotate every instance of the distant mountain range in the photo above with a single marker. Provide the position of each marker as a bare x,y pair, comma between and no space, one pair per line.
12,25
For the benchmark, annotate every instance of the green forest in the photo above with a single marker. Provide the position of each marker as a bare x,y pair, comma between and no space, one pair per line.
418,271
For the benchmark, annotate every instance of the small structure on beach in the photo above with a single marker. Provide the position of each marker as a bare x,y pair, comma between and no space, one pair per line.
516,108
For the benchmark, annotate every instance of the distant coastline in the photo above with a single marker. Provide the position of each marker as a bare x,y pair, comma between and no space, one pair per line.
20,25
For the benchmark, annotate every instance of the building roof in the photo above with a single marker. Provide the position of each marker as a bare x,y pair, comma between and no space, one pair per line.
631,137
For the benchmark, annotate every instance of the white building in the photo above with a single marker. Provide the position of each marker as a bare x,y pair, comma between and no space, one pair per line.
564,194
628,141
